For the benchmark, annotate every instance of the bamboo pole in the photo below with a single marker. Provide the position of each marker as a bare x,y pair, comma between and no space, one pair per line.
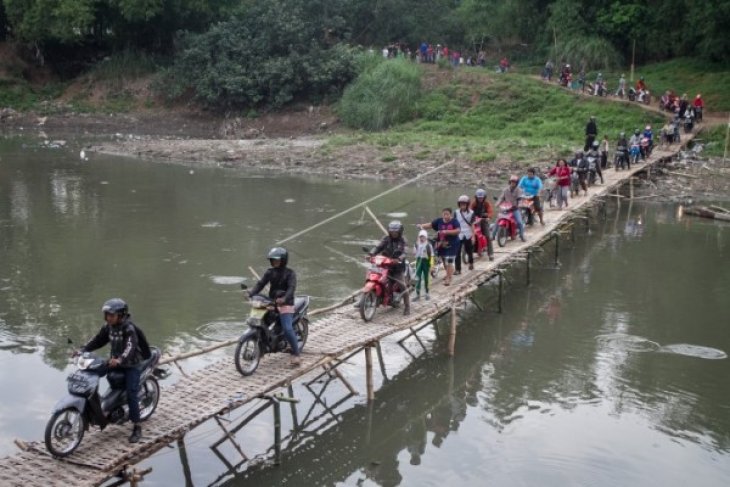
727,141
452,330
369,372
375,219
255,274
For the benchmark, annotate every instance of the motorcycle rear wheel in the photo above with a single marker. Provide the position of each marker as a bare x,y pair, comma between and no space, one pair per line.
149,397
248,355
368,305
68,424
502,236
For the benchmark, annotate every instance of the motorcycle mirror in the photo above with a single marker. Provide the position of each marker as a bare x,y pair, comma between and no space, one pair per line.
366,249
244,286
69,341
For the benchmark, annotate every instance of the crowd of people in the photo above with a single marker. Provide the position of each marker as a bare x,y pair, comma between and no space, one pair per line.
430,54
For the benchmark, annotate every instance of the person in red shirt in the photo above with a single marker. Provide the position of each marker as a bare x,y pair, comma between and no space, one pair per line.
561,171
699,106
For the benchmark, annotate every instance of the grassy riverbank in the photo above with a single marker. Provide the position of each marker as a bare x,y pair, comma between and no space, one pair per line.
484,116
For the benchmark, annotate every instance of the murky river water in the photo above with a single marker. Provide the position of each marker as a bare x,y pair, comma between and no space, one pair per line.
609,370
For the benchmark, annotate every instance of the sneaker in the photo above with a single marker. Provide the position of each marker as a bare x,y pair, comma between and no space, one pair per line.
491,257
471,267
406,311
295,361
457,273
418,296
428,297
136,434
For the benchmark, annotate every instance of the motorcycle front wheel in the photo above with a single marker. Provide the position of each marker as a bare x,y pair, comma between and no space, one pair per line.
248,355
149,396
302,331
64,432
368,305
502,236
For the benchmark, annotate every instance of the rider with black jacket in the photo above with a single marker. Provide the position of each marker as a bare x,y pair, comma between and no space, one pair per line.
282,283
394,246
128,348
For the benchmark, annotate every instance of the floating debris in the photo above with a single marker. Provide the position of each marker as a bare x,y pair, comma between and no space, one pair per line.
212,225
630,343
227,280
696,351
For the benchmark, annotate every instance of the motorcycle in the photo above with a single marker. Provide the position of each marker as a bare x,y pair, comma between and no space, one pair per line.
527,207
592,171
621,158
506,224
481,241
688,124
265,333
647,145
380,289
85,406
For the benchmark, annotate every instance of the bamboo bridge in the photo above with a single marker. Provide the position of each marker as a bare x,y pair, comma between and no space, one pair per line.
335,335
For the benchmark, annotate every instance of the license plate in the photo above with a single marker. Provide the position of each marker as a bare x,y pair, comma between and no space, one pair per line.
257,313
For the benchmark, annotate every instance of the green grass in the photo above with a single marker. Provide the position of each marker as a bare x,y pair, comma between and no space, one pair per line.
485,117
715,140
19,95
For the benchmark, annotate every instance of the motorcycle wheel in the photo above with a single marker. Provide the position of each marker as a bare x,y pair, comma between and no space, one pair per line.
149,396
368,305
502,236
302,331
64,432
248,355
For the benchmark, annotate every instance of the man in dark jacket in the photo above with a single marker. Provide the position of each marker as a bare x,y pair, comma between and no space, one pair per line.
282,283
394,246
591,132
128,348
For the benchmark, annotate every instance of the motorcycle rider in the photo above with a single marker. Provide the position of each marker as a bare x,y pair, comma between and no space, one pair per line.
641,89
635,139
591,132
594,155
699,106
531,186
394,246
621,91
512,195
282,283
482,209
128,348
622,150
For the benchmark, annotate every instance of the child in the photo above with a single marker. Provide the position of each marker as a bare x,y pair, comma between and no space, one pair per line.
424,256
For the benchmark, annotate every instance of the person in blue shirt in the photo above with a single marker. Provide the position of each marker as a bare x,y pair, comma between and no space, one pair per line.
531,186
447,240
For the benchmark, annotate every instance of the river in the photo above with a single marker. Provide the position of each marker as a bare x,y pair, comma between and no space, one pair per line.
610,369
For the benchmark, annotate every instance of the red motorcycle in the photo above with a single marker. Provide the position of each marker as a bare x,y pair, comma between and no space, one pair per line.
506,224
379,288
481,241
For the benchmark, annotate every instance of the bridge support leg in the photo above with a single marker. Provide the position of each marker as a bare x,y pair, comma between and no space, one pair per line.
184,461
527,261
452,330
293,406
277,431
381,361
556,235
369,372
501,285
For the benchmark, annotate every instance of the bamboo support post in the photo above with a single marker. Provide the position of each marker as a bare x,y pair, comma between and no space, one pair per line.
293,407
527,269
347,384
255,274
381,360
375,218
452,330
501,285
556,235
277,430
369,373
184,461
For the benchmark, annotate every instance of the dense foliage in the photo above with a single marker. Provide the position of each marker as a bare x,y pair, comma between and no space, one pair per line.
248,52
273,53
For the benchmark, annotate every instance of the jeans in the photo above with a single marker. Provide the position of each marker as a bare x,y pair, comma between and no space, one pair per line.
563,192
520,225
287,326
131,379
465,245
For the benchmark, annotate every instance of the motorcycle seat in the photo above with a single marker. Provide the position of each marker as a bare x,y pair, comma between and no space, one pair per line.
154,356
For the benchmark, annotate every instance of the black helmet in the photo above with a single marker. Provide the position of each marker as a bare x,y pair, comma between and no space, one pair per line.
395,226
596,143
115,306
278,253
636,132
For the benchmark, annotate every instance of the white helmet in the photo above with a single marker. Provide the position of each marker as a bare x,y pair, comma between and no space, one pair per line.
463,199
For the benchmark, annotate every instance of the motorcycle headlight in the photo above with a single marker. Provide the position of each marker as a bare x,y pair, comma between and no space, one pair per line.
258,304
84,362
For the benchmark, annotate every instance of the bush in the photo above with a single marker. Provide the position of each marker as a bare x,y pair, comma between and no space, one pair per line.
382,96
271,54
